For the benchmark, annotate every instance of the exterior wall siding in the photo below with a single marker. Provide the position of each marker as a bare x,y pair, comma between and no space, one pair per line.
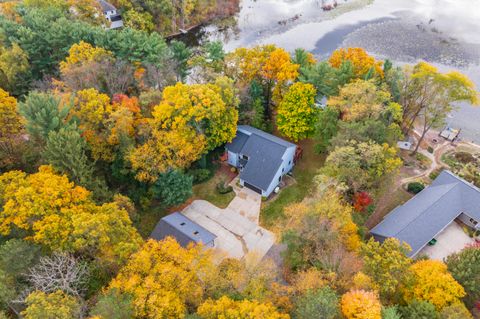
466,220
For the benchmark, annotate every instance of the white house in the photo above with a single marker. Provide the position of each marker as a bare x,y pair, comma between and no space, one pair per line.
263,159
111,14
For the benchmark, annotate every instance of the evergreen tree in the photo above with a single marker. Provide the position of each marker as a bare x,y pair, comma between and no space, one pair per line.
173,188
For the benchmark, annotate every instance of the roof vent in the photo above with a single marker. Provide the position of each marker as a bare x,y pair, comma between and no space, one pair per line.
182,224
195,232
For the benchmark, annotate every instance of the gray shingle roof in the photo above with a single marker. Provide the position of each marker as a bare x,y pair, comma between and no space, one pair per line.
237,144
183,229
264,151
106,6
424,216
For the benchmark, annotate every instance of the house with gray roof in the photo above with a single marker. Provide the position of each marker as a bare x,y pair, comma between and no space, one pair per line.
262,159
183,229
431,211
111,14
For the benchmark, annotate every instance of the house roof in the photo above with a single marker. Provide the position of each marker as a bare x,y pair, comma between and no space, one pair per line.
183,229
428,213
264,151
106,6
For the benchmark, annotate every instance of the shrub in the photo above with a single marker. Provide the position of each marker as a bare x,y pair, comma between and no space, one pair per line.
435,173
430,149
224,189
464,157
200,175
415,187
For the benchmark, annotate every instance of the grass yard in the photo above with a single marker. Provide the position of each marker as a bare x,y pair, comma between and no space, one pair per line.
207,190
303,172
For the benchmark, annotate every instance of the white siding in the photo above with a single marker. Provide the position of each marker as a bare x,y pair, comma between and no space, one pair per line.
232,159
286,167
466,220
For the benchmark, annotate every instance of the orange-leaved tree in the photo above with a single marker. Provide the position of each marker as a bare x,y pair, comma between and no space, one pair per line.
361,304
362,62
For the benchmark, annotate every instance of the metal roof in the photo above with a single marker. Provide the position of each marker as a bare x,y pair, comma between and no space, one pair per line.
265,155
183,229
428,213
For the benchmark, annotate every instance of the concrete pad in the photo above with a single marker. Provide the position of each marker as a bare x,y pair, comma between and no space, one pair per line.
236,226
451,240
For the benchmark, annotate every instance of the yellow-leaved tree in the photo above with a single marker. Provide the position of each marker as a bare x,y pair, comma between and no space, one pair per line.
268,65
362,62
11,126
433,283
360,100
361,304
83,52
56,305
189,121
61,216
297,113
226,308
165,279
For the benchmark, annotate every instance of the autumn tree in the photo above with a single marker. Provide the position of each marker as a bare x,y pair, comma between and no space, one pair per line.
297,112
361,165
190,121
363,63
43,113
360,100
433,283
226,308
428,95
14,69
387,263
465,268
56,305
61,216
269,65
89,67
321,233
11,127
456,311
361,304
164,279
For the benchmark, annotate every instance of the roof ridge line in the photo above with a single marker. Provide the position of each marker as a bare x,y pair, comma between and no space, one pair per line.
434,203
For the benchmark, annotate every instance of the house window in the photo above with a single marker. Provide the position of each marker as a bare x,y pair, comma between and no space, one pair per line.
289,162
283,169
245,157
280,179
473,221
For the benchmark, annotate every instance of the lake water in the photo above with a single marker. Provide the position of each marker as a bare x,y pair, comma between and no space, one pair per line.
443,32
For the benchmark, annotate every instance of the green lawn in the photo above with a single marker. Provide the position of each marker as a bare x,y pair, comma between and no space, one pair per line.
207,191
304,171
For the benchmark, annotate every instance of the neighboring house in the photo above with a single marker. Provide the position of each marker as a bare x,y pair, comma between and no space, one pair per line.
262,159
425,216
183,229
111,14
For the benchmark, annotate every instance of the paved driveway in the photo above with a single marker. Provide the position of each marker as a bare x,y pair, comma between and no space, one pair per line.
236,226
451,240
